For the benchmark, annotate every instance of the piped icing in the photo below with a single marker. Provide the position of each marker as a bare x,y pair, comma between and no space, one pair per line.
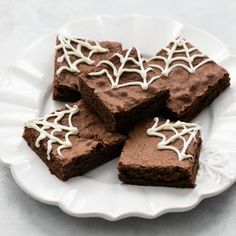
171,57
72,47
42,125
143,71
118,72
182,130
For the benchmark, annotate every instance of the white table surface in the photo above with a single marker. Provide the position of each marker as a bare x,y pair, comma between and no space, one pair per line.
21,23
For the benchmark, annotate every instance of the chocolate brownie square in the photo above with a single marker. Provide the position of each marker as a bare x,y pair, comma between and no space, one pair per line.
121,91
72,141
161,154
194,79
73,57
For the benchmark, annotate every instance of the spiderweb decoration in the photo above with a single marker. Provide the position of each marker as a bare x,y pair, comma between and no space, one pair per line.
179,45
42,125
118,72
180,129
66,44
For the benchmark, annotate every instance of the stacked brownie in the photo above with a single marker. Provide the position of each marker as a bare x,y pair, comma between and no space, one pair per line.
121,95
72,153
73,57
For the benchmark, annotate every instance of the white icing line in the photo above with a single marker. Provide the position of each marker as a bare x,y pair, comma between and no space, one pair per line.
41,125
117,72
69,50
190,129
179,42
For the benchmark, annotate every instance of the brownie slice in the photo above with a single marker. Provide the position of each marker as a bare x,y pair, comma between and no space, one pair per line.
82,55
194,79
121,91
89,144
147,160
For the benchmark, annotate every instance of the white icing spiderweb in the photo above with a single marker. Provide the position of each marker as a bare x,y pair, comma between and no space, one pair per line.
118,72
179,45
42,125
181,130
185,61
72,48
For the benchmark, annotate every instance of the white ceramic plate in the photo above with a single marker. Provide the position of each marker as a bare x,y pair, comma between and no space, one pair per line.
25,92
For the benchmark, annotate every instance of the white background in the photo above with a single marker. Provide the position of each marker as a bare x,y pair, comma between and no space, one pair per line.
23,22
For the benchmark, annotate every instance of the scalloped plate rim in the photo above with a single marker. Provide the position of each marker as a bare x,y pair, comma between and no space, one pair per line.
100,214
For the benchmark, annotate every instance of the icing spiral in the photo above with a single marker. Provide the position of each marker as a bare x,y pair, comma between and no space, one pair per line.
180,129
72,47
187,57
118,72
42,125
179,45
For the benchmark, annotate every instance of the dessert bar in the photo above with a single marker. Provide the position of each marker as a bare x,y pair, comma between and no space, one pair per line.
161,153
73,57
121,91
194,80
72,141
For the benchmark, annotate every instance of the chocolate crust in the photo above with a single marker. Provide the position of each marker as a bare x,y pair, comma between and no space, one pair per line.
66,84
78,166
141,163
121,108
93,147
122,121
190,92
65,93
169,177
200,103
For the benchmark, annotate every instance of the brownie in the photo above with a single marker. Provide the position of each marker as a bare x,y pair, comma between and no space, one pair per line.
89,143
66,82
146,161
194,79
121,91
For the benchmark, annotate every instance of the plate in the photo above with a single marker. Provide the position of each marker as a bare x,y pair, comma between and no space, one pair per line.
25,93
